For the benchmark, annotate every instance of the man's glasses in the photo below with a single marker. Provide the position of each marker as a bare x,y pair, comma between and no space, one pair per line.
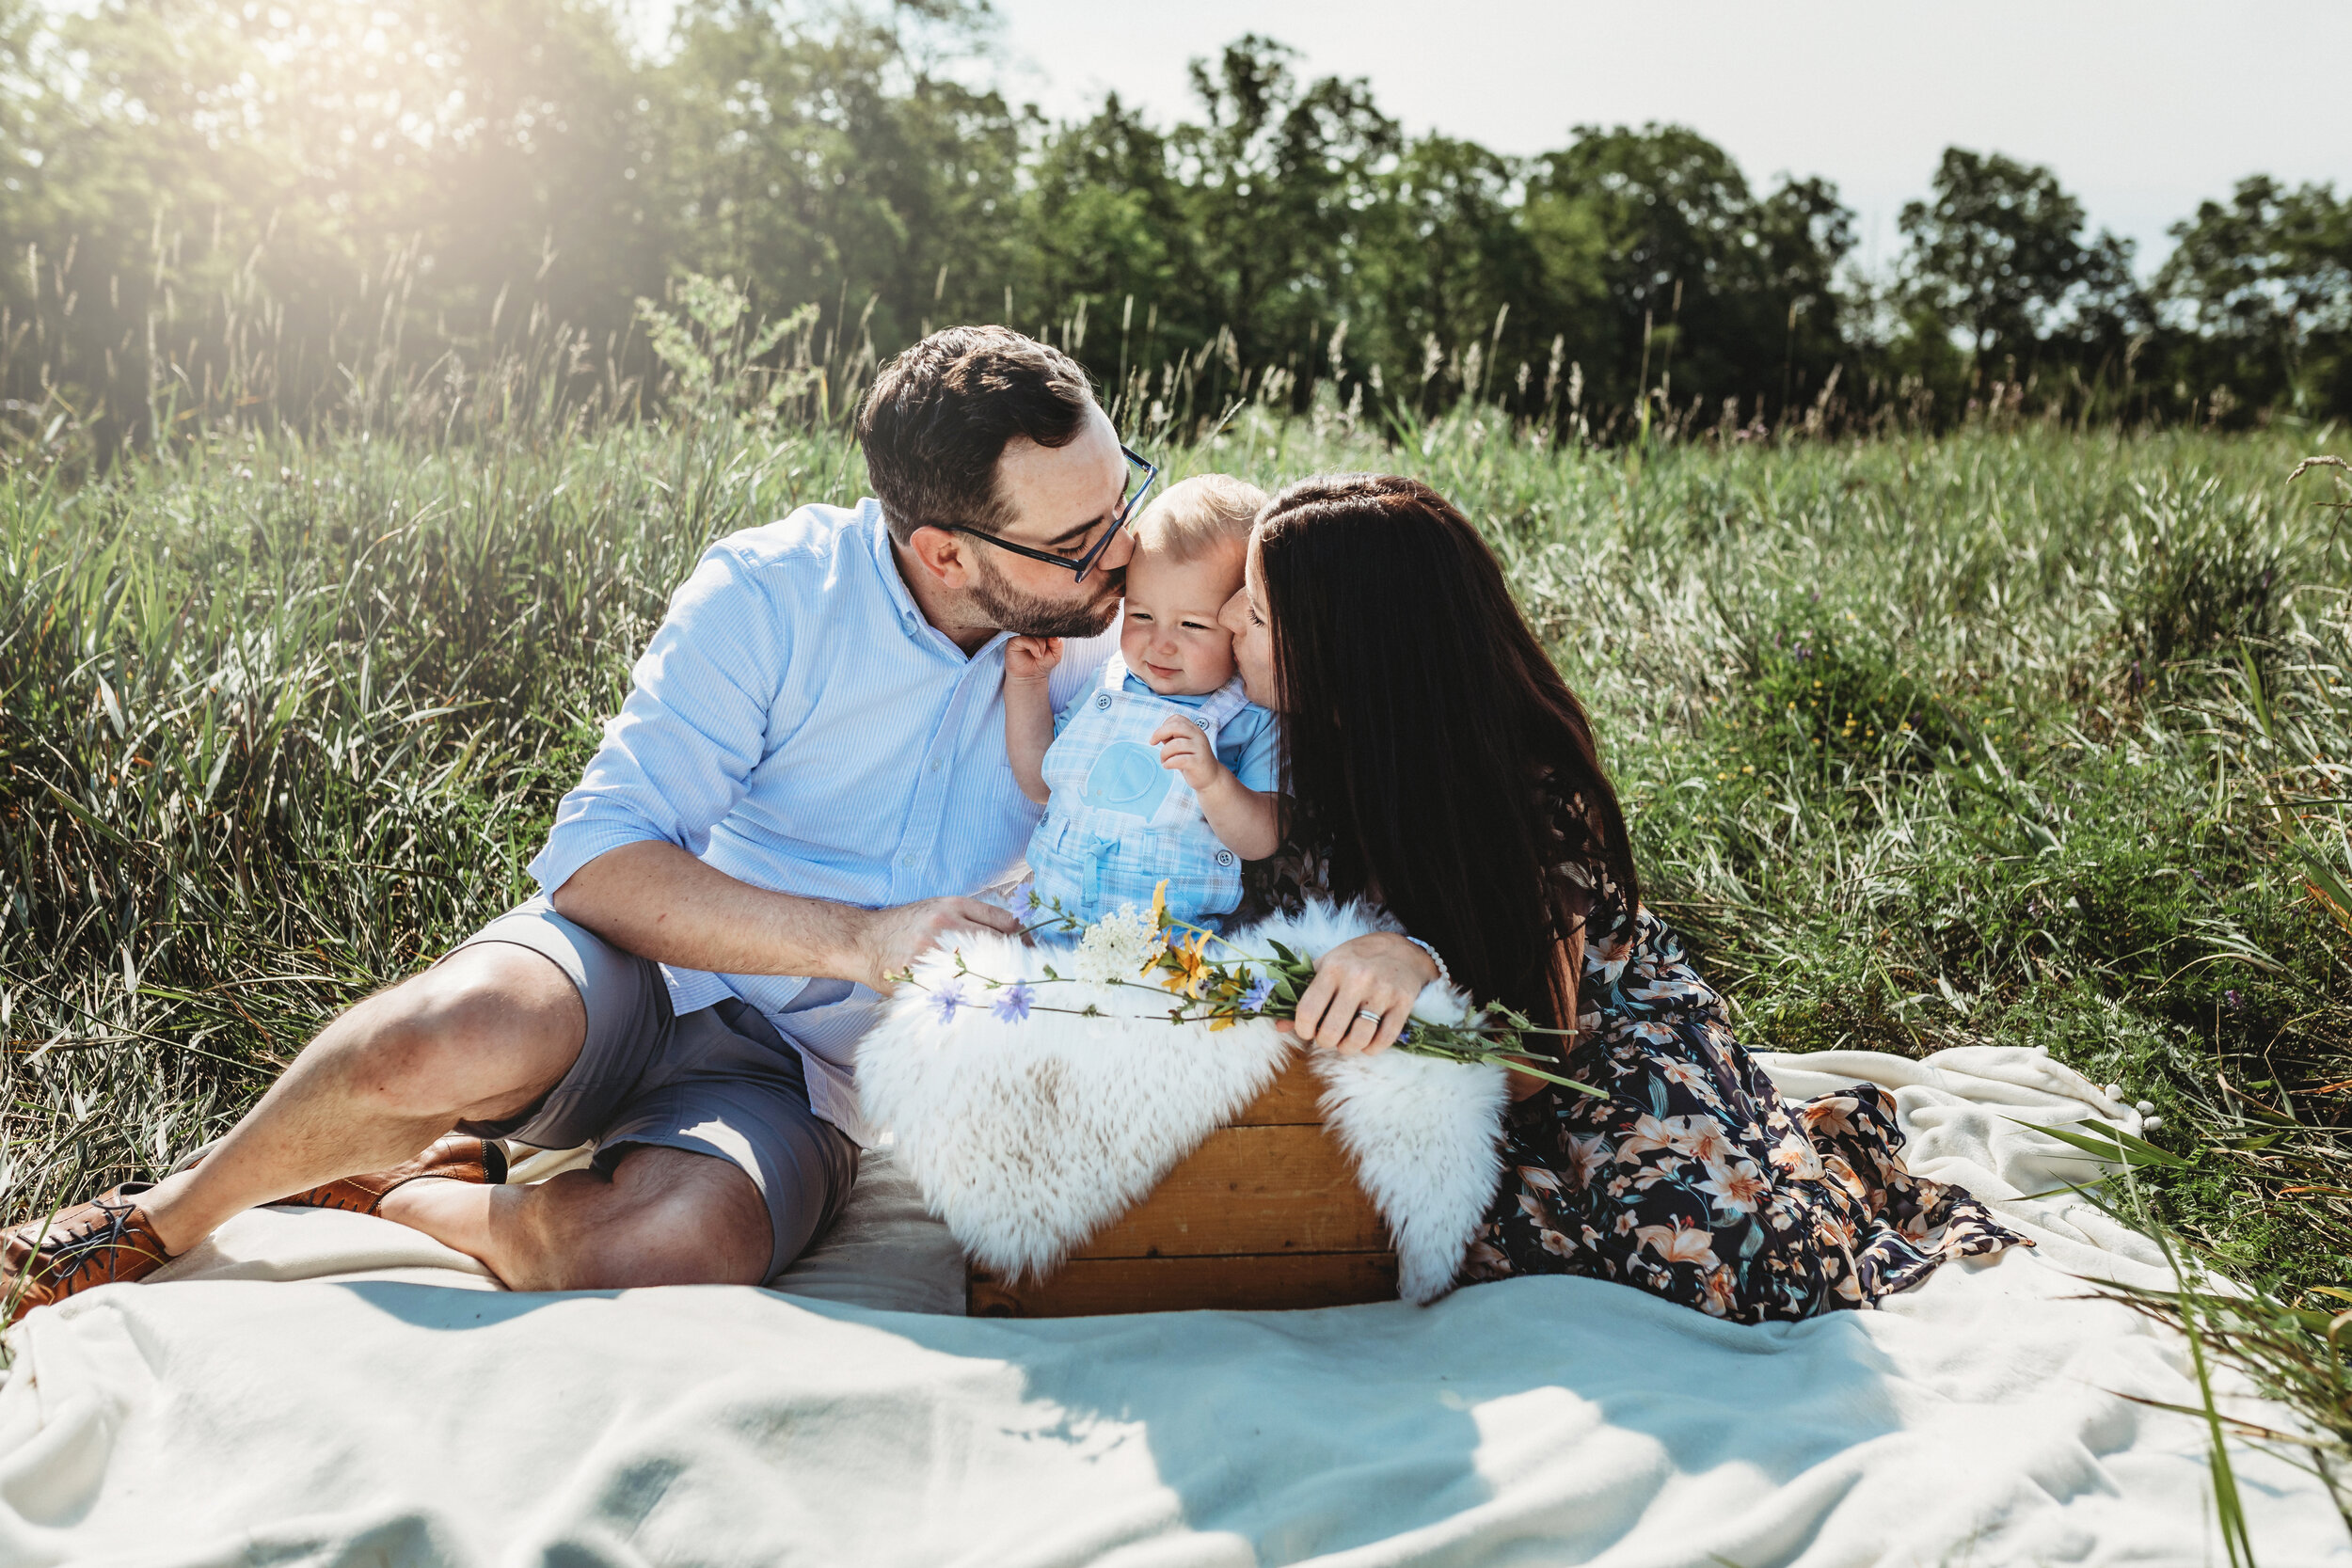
1079,566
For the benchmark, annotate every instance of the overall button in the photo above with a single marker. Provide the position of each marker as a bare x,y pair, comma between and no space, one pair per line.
1224,857
1103,699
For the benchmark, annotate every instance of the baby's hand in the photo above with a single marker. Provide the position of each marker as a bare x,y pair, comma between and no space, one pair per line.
1031,658
1184,748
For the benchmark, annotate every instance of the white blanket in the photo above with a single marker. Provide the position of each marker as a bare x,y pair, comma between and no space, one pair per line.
1980,1419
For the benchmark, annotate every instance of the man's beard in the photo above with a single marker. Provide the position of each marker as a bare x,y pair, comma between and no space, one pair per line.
1025,614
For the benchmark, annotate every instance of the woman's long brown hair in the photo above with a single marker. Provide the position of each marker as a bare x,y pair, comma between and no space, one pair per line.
1421,715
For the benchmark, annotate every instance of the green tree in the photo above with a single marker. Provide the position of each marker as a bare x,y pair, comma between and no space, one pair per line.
1994,251
1441,258
257,204
2262,286
1668,278
838,157
1110,230
1277,175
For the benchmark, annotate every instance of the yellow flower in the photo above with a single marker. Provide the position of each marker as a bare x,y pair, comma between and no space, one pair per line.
1185,964
1159,906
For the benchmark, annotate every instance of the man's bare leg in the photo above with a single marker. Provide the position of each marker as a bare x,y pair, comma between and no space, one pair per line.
477,1037
666,1216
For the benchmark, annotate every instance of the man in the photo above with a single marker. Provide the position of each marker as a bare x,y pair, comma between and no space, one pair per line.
808,774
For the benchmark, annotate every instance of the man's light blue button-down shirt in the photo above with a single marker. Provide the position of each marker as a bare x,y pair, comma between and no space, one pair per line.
798,725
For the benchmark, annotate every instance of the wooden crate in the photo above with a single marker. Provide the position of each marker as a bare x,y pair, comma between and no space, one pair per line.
1265,1214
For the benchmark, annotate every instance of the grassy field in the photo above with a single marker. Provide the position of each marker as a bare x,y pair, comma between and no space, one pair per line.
2019,737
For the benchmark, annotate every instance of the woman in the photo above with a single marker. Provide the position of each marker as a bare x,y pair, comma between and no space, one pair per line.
1444,768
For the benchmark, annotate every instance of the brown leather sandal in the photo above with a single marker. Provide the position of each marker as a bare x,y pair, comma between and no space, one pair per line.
454,1158
108,1241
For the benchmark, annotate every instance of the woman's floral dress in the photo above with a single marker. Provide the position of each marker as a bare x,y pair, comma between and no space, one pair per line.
1693,1179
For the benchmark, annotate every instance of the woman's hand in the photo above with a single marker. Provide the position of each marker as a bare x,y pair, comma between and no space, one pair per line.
1381,974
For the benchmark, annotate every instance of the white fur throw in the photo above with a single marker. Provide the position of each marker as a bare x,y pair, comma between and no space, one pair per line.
1028,1137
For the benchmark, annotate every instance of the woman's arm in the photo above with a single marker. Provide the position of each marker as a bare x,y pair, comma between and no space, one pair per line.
1380,973
1384,974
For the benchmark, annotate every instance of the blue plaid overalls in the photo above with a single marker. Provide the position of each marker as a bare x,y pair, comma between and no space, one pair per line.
1118,823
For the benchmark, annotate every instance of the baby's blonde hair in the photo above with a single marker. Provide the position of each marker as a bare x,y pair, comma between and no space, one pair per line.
1204,514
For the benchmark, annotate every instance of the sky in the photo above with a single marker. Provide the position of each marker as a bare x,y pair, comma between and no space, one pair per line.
2143,108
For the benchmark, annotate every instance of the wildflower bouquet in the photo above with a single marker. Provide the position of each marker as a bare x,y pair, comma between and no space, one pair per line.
1213,982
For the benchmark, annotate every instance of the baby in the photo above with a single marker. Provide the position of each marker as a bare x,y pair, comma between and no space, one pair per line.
1163,770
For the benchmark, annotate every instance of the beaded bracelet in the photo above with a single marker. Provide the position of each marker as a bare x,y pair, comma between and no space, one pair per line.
1445,975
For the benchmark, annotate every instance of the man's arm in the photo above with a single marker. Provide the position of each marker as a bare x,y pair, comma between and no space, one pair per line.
621,858
654,900
1029,663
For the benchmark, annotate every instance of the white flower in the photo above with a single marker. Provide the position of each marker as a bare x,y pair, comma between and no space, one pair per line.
1115,948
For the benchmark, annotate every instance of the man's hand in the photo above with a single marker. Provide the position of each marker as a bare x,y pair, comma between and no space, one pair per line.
888,940
1186,750
1031,658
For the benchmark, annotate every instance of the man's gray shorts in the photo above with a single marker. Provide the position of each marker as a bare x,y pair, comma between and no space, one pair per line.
719,1081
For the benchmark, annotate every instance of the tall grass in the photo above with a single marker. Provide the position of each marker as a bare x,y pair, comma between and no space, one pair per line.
2014,736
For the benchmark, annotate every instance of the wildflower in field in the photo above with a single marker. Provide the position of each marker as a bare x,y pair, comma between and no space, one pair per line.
1012,1005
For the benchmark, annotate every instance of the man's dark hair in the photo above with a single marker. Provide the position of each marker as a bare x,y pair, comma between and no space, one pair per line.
939,415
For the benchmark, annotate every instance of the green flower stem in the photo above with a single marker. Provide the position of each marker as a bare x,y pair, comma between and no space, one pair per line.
1440,1042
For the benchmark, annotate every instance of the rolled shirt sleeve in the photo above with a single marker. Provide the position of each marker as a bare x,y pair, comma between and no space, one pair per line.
680,755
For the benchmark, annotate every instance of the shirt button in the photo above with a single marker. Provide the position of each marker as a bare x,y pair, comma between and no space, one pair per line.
1224,857
1200,724
907,861
935,764
1102,700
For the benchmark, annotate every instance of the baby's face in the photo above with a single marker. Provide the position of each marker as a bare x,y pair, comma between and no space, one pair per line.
1169,634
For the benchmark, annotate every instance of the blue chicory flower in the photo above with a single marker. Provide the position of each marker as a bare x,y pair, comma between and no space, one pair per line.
1012,1003
948,998
1254,999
